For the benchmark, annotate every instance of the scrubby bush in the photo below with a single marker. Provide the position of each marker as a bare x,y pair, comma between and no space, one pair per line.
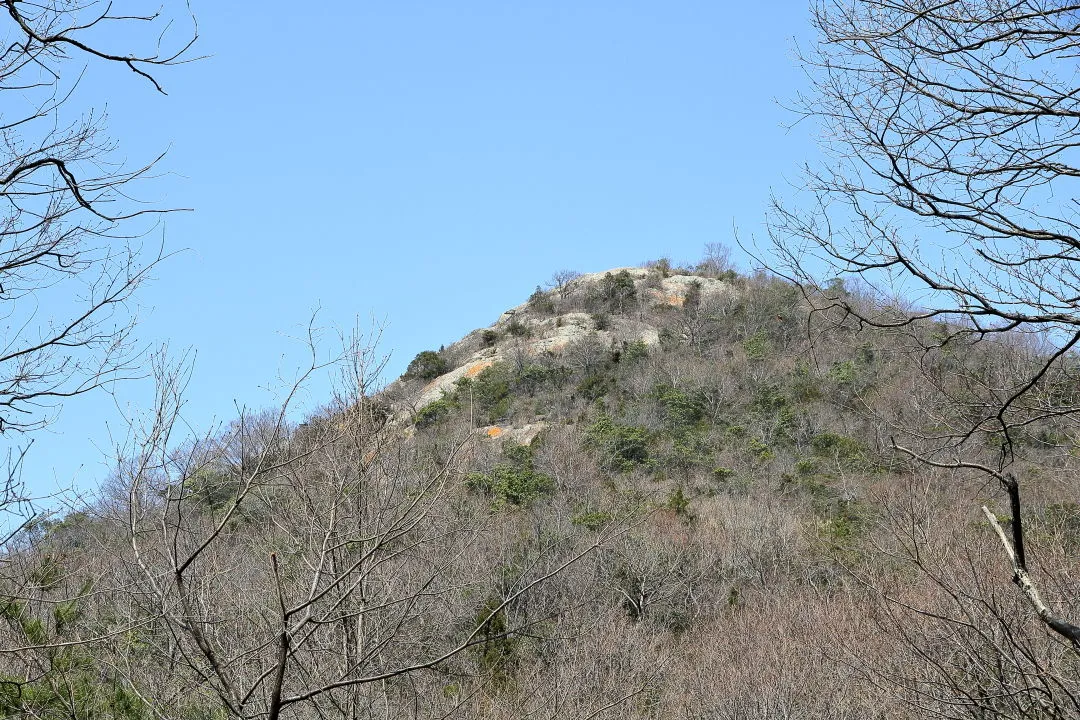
661,266
601,321
535,376
760,452
677,502
617,291
689,449
635,351
436,411
513,481
488,394
516,328
427,365
541,302
593,386
678,409
211,489
594,520
757,346
497,651
621,447
844,451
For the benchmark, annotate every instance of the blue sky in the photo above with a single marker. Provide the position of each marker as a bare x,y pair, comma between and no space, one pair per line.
427,165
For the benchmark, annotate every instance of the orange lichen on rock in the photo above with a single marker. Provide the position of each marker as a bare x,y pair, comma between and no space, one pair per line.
662,298
478,368
494,431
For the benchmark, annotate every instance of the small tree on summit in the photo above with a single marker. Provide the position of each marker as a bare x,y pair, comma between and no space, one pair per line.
617,290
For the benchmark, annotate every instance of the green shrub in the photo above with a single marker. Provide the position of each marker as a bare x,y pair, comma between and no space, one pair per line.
592,520
845,521
843,373
805,387
846,451
723,474
513,481
757,346
516,328
678,409
617,291
436,411
489,337
760,452
497,651
47,571
73,683
677,501
18,615
690,449
534,376
771,404
726,480
212,489
622,447
427,365
593,386
635,351
844,524
488,394
541,303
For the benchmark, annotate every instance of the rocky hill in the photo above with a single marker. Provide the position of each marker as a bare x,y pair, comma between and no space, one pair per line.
648,492
551,323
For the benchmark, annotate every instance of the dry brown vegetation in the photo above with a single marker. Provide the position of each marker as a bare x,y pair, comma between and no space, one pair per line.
715,526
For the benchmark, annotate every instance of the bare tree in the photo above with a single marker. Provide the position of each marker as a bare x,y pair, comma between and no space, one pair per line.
69,259
70,262
319,569
950,131
563,281
717,260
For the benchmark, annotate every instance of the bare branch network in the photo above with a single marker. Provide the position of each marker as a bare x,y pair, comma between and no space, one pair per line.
70,260
951,131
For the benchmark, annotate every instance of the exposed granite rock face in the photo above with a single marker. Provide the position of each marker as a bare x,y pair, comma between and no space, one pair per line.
671,290
674,289
521,331
445,383
521,435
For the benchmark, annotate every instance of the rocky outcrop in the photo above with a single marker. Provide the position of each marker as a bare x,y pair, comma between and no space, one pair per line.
524,332
521,435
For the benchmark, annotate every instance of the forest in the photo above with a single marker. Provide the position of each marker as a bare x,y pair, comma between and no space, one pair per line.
692,507
840,485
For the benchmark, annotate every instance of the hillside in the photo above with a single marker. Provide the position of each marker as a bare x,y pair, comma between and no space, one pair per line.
647,492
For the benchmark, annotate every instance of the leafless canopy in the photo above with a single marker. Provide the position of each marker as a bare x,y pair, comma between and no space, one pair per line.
951,128
951,132
68,260
964,114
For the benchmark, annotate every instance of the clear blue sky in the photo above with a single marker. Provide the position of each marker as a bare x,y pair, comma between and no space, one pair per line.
429,163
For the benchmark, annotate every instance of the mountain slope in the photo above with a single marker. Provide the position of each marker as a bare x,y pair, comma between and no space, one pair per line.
648,492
